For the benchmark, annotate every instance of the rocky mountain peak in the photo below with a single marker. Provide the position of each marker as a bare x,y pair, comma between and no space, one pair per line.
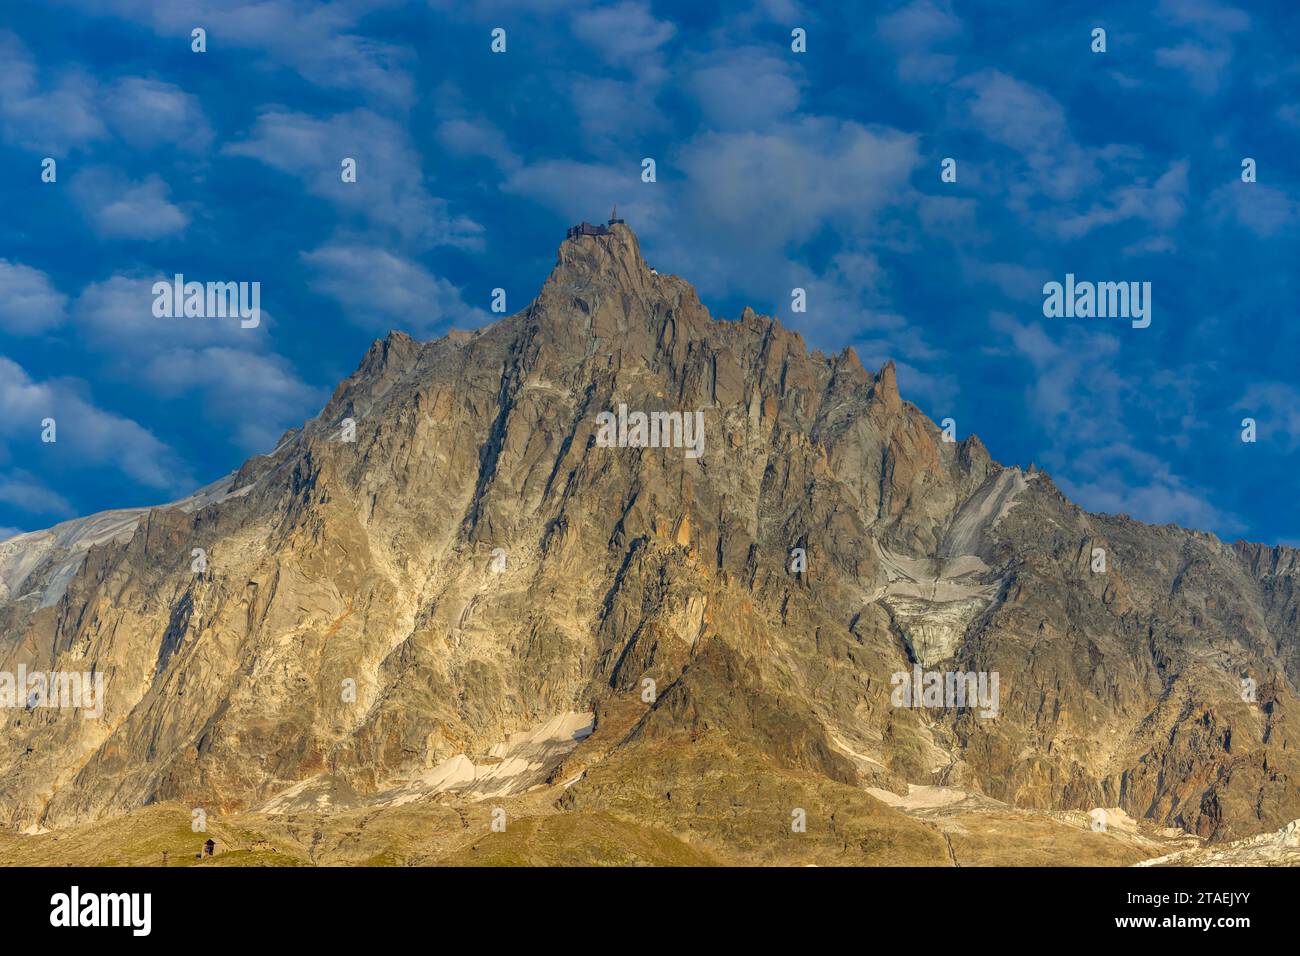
476,558
607,255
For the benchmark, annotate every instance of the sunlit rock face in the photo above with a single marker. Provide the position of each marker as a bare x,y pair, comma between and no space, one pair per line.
374,616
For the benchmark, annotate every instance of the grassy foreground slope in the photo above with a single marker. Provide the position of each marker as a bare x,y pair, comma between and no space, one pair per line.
660,802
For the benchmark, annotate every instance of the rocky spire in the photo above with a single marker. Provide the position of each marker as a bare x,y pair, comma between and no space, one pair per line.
885,388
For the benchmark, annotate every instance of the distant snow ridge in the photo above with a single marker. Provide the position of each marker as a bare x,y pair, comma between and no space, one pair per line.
39,564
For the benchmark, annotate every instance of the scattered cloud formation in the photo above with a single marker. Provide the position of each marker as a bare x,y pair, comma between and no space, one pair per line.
389,191
60,110
1087,409
231,372
775,170
40,113
321,42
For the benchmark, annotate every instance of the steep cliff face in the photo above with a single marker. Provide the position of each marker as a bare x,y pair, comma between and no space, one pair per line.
477,561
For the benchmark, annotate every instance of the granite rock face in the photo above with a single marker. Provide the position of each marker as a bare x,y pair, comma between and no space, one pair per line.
478,561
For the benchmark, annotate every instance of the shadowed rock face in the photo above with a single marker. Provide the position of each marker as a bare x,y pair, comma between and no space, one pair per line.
369,564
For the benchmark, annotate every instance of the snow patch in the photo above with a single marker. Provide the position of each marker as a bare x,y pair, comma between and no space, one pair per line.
1280,848
521,761
981,512
922,797
934,600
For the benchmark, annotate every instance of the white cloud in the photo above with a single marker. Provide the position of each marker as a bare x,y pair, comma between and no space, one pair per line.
795,179
622,32
1162,498
55,111
122,209
148,114
741,202
29,303
919,24
116,315
1082,402
608,109
1076,392
1203,65
1014,280
1206,15
1015,114
572,189
914,31
1276,408
94,437
1033,124
257,395
629,38
1204,60
1057,186
381,290
849,294
1160,204
22,490
745,88
732,209
238,382
1264,210
51,117
477,137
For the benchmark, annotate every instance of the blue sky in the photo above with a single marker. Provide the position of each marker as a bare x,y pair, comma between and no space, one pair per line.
775,169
